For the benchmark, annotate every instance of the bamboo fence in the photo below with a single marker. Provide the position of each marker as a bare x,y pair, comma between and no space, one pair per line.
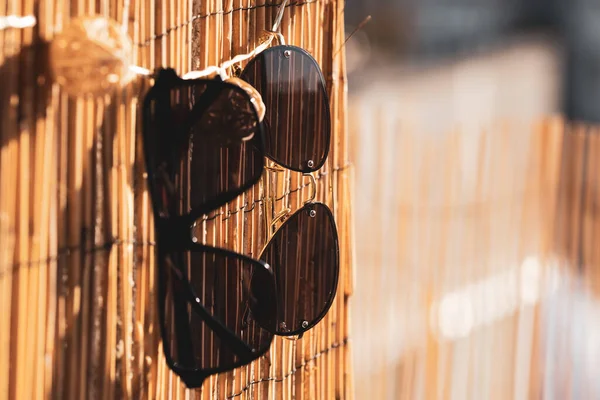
77,265
477,259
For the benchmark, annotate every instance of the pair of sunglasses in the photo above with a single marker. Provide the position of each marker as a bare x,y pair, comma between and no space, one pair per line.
205,144
304,251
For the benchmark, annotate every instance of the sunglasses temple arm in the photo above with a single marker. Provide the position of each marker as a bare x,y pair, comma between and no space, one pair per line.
185,348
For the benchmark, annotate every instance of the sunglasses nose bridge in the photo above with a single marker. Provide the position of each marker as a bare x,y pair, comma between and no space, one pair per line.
313,185
272,219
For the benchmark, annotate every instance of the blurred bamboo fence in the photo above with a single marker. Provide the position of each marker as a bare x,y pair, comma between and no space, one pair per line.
77,267
477,259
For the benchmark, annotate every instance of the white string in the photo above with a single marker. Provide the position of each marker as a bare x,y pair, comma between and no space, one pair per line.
222,69
205,72
14,21
242,57
140,70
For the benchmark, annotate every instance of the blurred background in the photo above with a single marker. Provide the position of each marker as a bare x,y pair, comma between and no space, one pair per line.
421,33
475,150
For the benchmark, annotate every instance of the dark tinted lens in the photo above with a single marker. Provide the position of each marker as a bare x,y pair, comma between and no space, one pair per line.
236,291
205,145
297,121
304,257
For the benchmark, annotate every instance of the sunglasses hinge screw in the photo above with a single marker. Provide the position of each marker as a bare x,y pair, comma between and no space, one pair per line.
304,324
312,213
310,163
287,53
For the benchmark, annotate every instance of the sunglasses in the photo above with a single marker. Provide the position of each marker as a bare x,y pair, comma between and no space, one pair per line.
203,147
304,251
304,256
297,121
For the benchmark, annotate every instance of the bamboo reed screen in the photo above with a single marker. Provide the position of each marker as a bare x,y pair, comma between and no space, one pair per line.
477,259
77,266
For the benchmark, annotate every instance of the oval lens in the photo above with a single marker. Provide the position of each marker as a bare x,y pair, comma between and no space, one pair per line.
297,120
304,257
236,291
205,146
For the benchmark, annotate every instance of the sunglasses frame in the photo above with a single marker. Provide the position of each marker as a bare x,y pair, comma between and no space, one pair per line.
285,218
174,234
272,219
168,79
282,47
194,378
